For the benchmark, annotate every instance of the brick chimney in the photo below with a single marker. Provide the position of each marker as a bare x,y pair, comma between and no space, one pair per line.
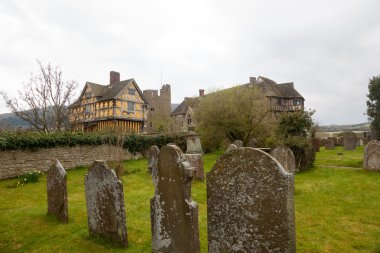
201,92
114,77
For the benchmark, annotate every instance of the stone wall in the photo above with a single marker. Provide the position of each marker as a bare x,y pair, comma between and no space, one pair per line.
15,162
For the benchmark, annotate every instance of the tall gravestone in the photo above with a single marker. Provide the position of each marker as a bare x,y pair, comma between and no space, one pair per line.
250,204
174,215
349,141
105,203
238,143
196,161
329,143
57,192
153,158
371,159
285,157
316,144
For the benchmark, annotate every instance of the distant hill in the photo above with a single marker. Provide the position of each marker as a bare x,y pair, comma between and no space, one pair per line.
340,128
12,121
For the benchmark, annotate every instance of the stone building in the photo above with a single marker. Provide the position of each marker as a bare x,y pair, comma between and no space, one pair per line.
281,97
159,109
119,105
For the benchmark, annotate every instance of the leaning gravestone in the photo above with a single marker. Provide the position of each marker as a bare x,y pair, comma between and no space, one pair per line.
371,159
238,143
285,157
153,158
250,204
349,141
174,215
57,192
105,203
196,161
329,143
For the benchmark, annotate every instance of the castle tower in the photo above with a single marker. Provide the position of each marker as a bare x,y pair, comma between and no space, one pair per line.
159,109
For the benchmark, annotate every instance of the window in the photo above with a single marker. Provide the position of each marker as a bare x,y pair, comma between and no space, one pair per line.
131,106
152,109
131,91
87,109
189,121
151,124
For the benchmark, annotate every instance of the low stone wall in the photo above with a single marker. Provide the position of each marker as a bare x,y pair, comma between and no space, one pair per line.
16,162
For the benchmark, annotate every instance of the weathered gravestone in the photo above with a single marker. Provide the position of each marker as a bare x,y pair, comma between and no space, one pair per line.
57,192
339,141
316,144
322,142
105,204
371,159
349,141
193,142
250,204
285,157
174,215
153,158
329,143
196,161
238,143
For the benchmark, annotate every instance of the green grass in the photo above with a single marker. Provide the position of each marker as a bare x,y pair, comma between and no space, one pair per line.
341,157
337,210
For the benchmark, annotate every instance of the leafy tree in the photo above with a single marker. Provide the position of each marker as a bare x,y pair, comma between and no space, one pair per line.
373,105
44,99
292,132
231,114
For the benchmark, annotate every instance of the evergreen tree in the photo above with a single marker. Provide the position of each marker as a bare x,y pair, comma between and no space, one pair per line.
373,105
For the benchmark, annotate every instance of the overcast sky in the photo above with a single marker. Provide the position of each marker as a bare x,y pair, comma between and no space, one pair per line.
329,49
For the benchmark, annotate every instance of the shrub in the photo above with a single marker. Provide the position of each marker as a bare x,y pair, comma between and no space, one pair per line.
29,177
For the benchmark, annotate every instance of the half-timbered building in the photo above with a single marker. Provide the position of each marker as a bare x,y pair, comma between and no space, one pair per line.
120,105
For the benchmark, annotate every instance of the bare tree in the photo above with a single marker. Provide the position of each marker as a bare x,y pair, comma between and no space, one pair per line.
44,99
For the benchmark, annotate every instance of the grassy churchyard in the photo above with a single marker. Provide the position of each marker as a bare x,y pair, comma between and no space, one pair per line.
337,210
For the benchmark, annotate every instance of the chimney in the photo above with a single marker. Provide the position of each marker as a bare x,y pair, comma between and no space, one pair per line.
201,92
114,77
252,80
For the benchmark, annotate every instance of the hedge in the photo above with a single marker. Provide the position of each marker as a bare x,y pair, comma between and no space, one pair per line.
132,142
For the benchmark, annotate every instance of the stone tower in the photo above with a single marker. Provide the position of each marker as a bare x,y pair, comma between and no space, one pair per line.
159,109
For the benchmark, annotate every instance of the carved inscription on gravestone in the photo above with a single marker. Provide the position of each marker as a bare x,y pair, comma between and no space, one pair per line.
105,203
285,157
174,215
57,192
250,204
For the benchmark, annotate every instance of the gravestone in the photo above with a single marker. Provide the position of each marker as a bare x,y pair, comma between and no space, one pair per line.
57,192
174,215
349,141
238,143
371,159
105,203
329,144
335,140
250,204
196,161
231,147
285,157
322,142
153,158
193,142
339,141
316,144
252,143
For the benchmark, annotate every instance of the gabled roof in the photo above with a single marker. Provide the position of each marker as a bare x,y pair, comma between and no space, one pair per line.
183,107
107,92
271,89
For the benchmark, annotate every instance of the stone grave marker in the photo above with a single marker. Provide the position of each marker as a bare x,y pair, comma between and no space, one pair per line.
329,144
193,142
57,192
371,159
238,143
339,141
316,144
231,147
285,157
349,141
153,158
174,215
250,204
322,142
105,203
196,161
